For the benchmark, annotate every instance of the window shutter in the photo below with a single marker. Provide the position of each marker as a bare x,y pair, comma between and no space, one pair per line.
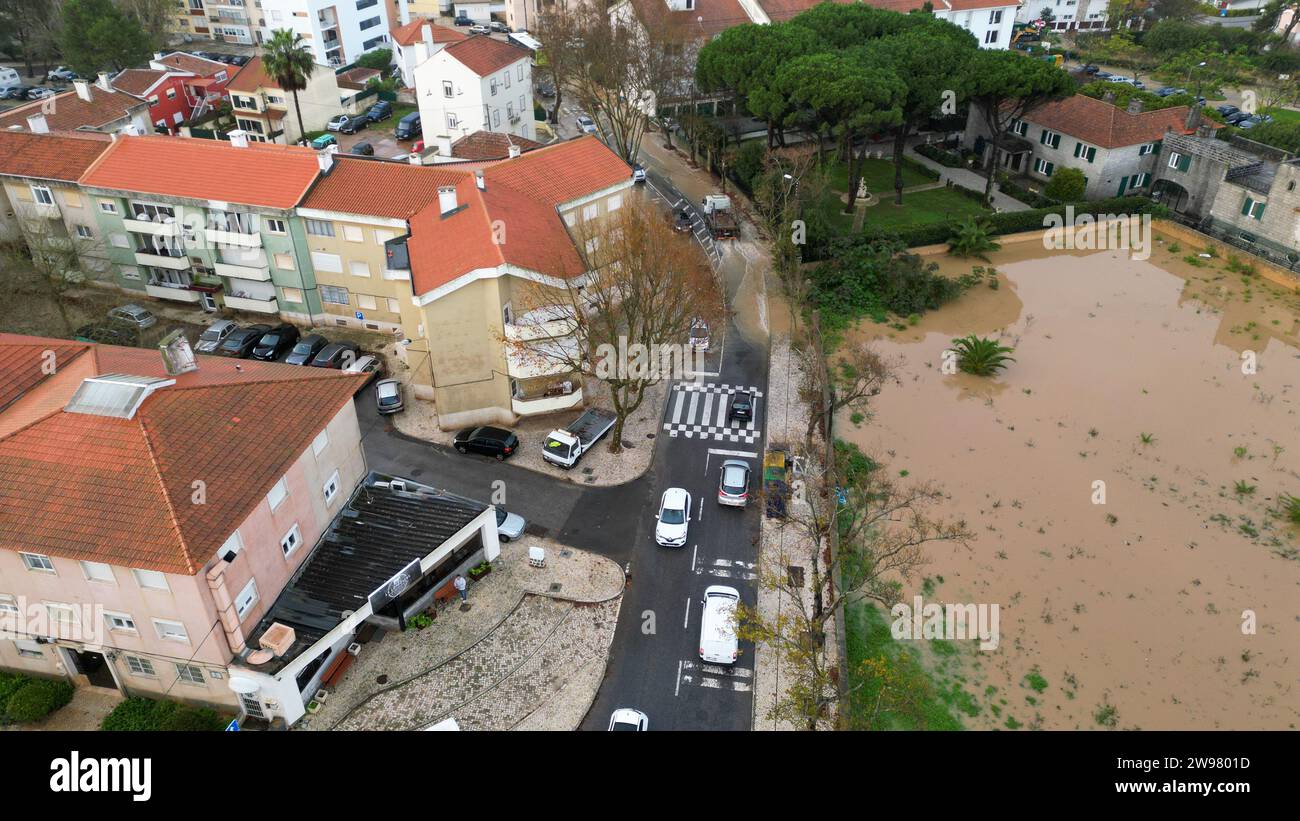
1050,168
1184,162
1078,149
1259,215
1056,141
1245,208
1092,154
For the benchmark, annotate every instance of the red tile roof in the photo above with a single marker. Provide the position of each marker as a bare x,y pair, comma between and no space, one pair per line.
489,145
200,66
563,171
356,185
120,491
484,55
709,17
25,364
252,77
64,156
138,81
275,176
410,34
1105,125
68,112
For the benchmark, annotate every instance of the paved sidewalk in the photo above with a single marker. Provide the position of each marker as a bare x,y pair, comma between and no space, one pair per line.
968,179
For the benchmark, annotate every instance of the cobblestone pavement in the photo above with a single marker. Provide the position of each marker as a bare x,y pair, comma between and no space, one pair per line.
524,654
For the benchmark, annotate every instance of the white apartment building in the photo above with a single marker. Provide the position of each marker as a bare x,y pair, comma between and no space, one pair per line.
234,21
338,31
477,84
1067,15
989,21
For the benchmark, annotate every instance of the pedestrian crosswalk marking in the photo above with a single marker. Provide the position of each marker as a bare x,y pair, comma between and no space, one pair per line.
715,676
694,419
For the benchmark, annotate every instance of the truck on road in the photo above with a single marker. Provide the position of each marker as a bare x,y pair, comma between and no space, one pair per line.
565,447
719,217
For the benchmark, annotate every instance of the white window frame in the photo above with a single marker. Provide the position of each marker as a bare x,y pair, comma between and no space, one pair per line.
275,226
141,574
331,488
291,541
160,624
42,195
185,674
38,562
120,622
144,665
247,598
108,206
86,568
277,494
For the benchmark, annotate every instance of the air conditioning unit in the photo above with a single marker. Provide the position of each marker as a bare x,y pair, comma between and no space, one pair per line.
278,639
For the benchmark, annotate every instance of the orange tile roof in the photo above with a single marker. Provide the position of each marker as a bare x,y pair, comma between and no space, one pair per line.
24,363
563,171
357,185
1107,126
709,17
200,66
410,34
64,156
489,145
275,176
483,55
68,112
252,77
137,81
120,491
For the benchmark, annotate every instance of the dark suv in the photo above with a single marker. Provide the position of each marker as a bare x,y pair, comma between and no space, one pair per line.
742,406
337,355
306,349
276,343
382,110
240,343
496,442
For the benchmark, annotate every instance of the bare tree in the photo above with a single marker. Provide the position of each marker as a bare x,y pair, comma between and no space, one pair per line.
58,262
857,374
557,31
630,313
154,16
34,26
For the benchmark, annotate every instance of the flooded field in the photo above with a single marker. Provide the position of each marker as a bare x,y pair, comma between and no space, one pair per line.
1127,373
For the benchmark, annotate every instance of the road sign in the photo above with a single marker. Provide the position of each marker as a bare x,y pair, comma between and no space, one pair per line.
233,726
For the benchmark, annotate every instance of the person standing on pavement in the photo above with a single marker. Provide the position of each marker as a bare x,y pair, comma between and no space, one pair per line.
460,584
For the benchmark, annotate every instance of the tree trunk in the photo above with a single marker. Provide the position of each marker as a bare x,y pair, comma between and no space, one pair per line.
855,174
555,112
302,131
992,168
771,136
900,145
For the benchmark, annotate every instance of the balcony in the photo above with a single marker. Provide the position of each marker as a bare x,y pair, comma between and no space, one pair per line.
546,404
217,239
176,263
550,322
41,210
157,229
399,273
176,293
269,305
546,358
259,274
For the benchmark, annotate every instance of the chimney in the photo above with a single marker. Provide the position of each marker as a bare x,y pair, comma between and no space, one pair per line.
1193,118
83,88
479,181
1135,106
422,51
446,199
325,158
157,55
238,138
444,145
514,151
37,124
104,81
1204,130
426,34
1108,97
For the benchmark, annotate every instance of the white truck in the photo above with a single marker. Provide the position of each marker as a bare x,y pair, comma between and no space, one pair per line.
718,216
565,447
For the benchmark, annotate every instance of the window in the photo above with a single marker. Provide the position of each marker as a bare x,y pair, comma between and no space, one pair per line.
331,488
521,71
170,630
285,262
120,622
150,579
292,294
452,122
507,78
190,674
359,269
1149,148
1044,167
320,228
72,199
42,195
1179,162
570,220
274,226
382,236
353,233
1252,208
321,442
98,572
496,116
37,562
28,649
291,541
447,89
394,306
279,492
130,272
371,23
84,232
995,17
246,598
365,302
1085,151
120,241
108,206
327,262
510,111
492,84
991,36
171,94
589,212
139,666
1050,138
334,295
614,203
8,604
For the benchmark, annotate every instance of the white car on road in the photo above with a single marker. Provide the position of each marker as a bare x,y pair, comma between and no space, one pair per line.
627,720
674,518
586,124
718,642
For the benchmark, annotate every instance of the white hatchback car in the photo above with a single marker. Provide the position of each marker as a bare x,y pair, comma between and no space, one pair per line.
627,720
674,518
718,642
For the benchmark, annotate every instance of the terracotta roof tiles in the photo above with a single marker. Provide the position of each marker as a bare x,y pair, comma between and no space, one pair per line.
489,145
484,55
64,156
68,112
410,34
1105,125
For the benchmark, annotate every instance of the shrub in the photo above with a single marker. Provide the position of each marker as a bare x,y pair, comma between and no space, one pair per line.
380,59
972,239
1066,185
747,163
186,718
948,159
138,714
981,356
133,714
1010,222
10,683
36,699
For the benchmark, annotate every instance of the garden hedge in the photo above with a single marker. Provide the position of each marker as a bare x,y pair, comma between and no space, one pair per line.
138,714
947,159
35,698
1011,222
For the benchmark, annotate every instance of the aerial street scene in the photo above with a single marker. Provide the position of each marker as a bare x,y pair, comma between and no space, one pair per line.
768,366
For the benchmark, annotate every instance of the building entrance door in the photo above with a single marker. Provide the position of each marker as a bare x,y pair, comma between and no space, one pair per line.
95,668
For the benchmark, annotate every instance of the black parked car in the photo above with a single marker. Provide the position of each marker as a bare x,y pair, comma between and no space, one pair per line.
275,344
354,123
742,406
495,442
306,349
1236,117
337,355
363,149
382,110
1226,109
17,93
240,344
462,20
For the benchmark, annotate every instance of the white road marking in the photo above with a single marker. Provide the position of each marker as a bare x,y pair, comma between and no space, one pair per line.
701,516
694,554
744,453
687,623
677,409
678,689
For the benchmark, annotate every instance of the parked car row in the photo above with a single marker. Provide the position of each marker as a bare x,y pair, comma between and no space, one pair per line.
1242,119
21,92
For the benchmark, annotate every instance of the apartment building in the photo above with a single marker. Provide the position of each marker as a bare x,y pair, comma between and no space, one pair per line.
1066,15
176,87
153,513
267,112
42,203
416,41
1257,207
336,31
207,222
476,84
1115,148
89,106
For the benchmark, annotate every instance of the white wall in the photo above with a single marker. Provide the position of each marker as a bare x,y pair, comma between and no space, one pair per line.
472,102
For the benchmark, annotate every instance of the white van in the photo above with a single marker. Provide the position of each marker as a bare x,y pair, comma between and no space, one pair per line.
9,78
718,643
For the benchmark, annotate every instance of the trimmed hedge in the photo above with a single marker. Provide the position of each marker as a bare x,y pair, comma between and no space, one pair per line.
1011,222
138,714
1031,198
35,698
948,159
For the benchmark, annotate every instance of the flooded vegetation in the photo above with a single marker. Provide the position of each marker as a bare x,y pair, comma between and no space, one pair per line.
1126,477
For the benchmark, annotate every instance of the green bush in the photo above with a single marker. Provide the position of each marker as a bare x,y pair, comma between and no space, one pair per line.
137,714
1011,222
1066,185
10,683
36,699
947,159
379,59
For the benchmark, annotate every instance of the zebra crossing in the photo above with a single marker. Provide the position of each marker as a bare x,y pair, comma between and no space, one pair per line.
698,410
728,569
695,673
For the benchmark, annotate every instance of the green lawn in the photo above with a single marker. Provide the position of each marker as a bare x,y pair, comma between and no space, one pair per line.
879,175
1283,115
923,207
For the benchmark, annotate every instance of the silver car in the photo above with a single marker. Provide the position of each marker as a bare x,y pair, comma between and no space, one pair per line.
135,315
214,335
510,526
388,396
733,484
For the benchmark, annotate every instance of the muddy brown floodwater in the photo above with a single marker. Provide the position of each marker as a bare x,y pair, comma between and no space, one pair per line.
1138,602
